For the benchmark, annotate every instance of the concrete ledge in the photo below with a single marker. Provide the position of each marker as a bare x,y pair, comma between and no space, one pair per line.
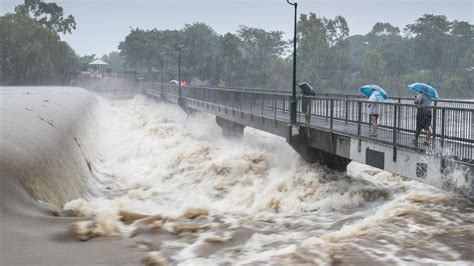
316,146
48,140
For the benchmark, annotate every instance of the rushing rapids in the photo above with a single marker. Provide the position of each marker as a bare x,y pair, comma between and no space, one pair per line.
169,189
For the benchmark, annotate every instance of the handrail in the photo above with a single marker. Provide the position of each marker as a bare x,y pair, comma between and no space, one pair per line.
246,89
453,127
325,96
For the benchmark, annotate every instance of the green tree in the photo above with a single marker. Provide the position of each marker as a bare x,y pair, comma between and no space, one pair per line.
116,62
373,67
199,54
386,39
83,61
435,51
138,50
259,49
32,54
463,81
144,50
462,29
48,14
323,51
380,29
336,30
431,33
229,61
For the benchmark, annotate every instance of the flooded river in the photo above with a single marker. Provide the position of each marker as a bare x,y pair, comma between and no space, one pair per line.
183,194
132,180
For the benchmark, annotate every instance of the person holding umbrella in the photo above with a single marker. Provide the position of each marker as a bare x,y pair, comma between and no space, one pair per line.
376,94
306,90
423,100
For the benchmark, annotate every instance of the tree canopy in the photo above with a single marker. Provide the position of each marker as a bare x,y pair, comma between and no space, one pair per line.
31,50
48,14
32,54
432,50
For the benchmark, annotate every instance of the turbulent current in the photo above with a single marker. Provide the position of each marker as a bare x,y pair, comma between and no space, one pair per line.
217,201
159,187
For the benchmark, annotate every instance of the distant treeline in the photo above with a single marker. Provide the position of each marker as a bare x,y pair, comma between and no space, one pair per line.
432,50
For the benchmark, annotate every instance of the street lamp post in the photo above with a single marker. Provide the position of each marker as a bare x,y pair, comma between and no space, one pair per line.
293,94
180,45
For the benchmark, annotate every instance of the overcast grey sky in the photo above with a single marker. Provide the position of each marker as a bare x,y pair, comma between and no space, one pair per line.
102,24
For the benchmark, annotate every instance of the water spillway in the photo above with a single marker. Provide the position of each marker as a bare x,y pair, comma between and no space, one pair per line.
47,148
213,200
48,140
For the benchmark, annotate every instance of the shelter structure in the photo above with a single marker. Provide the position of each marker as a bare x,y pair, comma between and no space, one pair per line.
98,66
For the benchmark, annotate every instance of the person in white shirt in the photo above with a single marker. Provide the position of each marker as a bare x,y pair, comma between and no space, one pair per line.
374,111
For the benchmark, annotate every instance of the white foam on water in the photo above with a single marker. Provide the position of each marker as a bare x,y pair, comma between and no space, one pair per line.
156,160
151,151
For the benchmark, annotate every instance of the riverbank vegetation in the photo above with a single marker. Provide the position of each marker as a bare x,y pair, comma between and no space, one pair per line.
432,50
31,49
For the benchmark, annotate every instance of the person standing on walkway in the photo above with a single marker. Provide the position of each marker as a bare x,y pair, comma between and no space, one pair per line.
376,95
423,117
374,111
306,107
306,91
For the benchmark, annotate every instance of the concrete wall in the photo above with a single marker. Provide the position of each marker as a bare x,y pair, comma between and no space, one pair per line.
48,140
407,163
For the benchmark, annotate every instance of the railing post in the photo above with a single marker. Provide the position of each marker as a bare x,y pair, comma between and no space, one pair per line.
443,114
399,122
395,114
225,102
471,130
395,128
359,116
347,108
251,108
435,112
274,108
327,108
241,108
332,115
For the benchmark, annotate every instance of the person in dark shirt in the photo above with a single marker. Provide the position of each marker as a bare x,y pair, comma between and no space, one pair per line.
306,106
423,117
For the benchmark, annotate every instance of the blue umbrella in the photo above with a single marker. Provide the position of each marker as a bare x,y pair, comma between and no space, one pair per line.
368,89
424,88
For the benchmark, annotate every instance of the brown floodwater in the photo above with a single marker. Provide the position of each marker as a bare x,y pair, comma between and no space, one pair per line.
165,188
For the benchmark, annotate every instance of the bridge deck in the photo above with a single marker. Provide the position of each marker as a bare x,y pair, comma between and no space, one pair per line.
403,139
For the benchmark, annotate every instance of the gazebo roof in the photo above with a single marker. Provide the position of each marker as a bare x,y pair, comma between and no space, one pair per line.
98,62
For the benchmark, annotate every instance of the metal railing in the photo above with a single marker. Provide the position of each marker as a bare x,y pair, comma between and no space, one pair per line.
452,128
452,121
458,103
